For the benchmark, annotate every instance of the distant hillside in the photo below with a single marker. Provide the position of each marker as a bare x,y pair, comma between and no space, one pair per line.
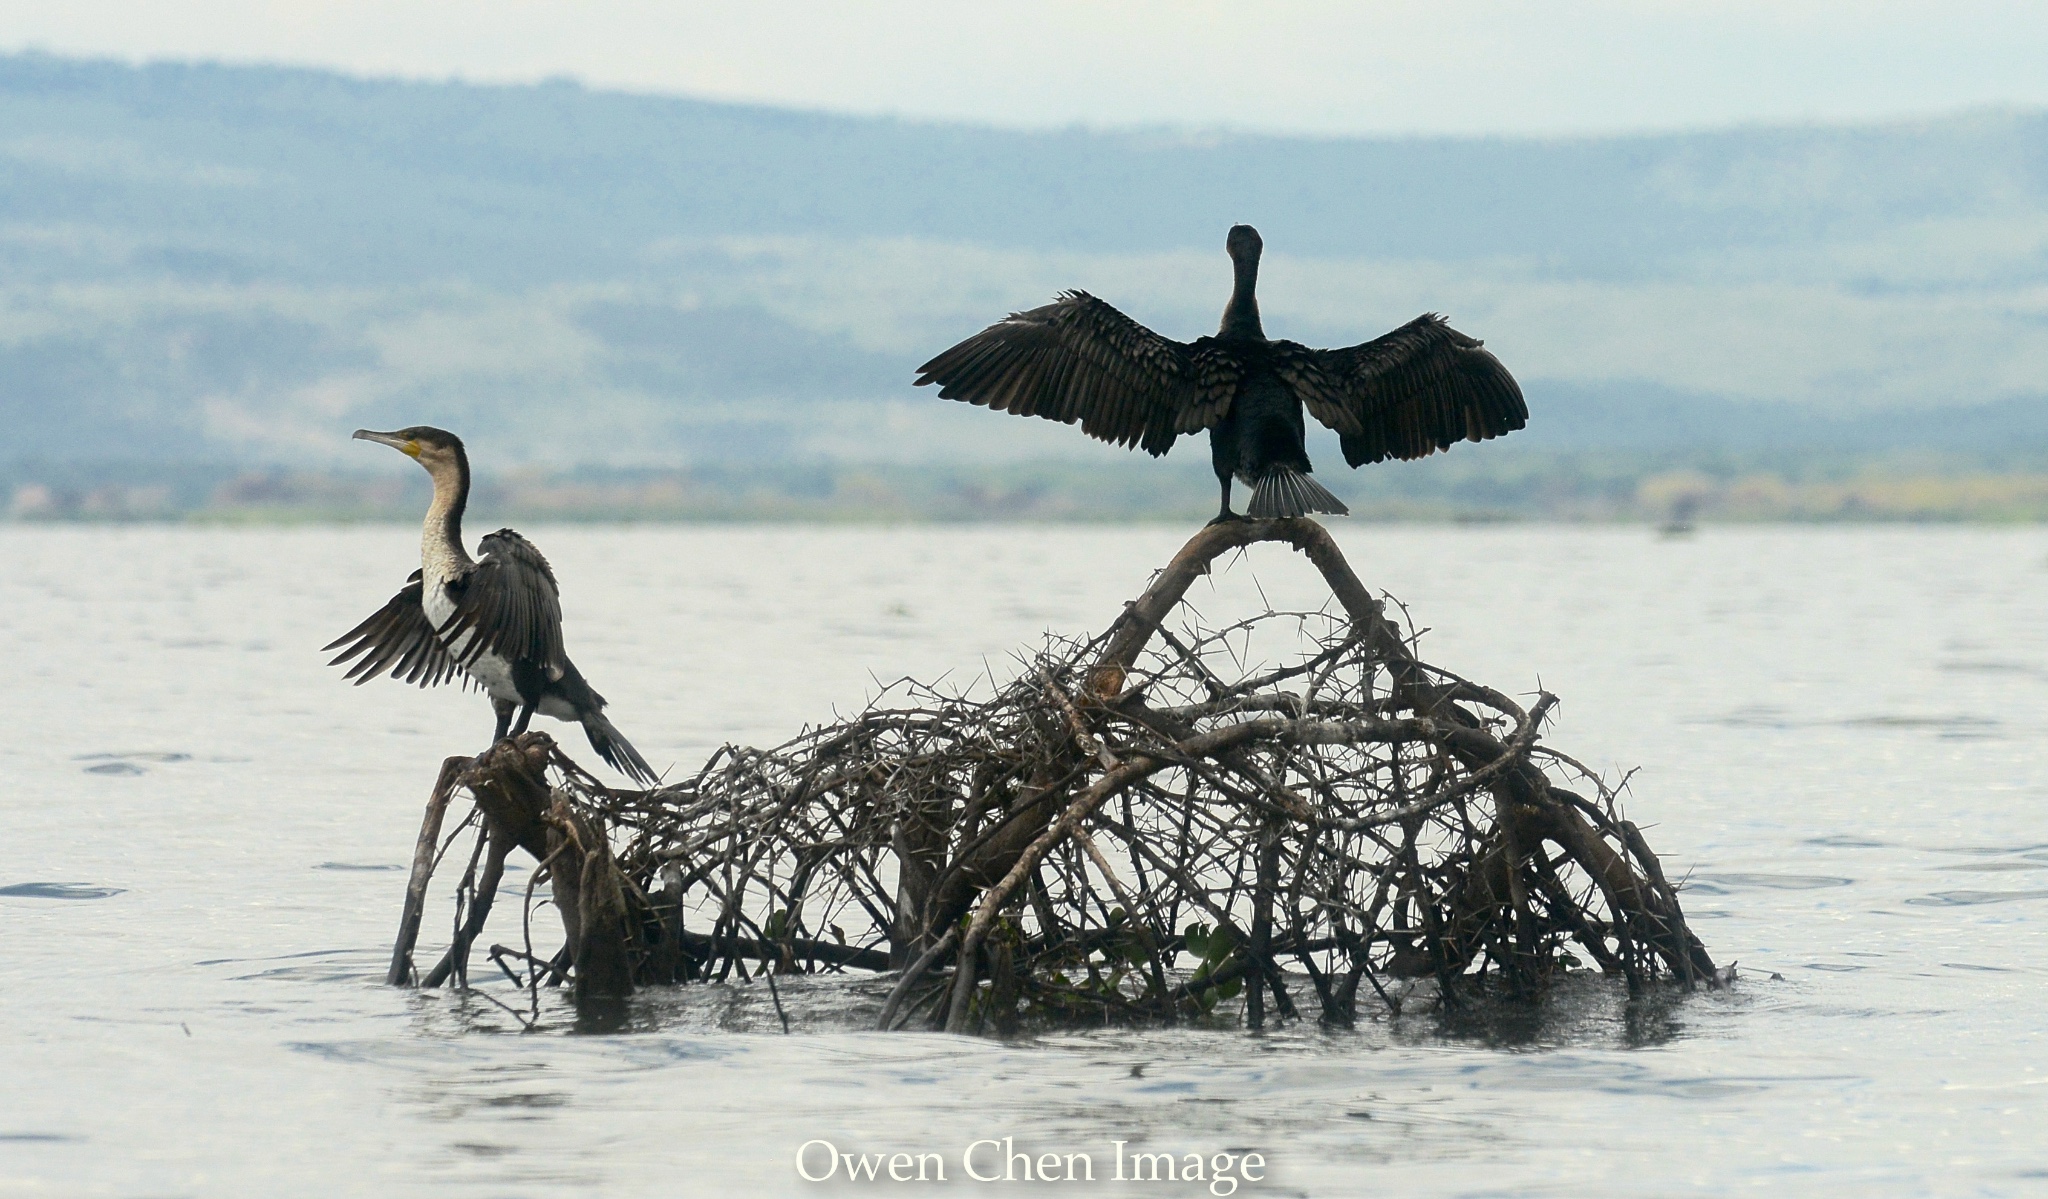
204,263
240,173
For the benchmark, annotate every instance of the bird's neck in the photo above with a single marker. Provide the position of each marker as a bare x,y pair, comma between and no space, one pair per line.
1241,317
441,552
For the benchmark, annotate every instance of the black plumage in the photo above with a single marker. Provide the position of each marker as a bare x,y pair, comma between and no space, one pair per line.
1421,388
508,604
398,637
495,621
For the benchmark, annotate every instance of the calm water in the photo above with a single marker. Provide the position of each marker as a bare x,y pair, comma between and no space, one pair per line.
1838,733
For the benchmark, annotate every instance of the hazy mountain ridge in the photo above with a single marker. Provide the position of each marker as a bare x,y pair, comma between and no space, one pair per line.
349,180
208,262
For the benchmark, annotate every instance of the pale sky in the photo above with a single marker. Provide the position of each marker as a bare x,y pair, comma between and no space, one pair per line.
1400,66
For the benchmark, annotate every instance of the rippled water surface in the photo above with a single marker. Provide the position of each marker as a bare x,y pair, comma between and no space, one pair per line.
1839,736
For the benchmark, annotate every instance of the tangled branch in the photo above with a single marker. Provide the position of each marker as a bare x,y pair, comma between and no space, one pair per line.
1139,826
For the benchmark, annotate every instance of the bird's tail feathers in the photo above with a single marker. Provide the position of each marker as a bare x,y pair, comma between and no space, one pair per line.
1285,491
614,748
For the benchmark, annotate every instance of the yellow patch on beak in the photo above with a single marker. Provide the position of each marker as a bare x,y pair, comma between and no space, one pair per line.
411,449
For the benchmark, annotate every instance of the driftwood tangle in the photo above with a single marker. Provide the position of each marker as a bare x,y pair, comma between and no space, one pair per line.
1138,826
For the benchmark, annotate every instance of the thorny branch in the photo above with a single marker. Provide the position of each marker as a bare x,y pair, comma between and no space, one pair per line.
1137,826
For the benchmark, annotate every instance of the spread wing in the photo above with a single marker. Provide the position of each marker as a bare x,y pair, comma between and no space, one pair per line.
510,600
1079,360
1422,388
400,638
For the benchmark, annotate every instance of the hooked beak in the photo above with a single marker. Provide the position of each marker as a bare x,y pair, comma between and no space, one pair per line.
409,448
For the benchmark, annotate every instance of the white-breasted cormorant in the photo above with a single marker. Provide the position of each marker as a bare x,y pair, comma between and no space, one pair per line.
1419,389
496,619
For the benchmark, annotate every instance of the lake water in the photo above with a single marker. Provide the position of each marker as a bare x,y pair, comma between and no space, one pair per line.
1838,734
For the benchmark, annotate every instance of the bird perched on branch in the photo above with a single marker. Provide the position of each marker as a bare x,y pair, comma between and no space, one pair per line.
496,619
1419,389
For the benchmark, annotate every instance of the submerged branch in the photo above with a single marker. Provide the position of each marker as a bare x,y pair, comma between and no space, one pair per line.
1138,826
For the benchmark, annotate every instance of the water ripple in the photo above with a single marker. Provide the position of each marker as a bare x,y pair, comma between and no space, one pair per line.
127,764
1966,898
1721,884
58,891
1951,725
1990,666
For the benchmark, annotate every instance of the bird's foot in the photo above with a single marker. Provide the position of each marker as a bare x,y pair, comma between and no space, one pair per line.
1227,518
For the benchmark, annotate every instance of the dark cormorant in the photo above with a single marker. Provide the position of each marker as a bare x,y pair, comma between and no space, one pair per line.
1410,393
496,619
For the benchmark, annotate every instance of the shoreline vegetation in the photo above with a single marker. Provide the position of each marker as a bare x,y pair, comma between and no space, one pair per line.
1464,487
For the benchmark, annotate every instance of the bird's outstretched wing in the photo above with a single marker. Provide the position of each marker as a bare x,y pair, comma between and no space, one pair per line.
1422,388
1078,359
510,600
400,638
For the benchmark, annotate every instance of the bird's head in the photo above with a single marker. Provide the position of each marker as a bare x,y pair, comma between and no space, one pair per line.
1244,243
436,449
